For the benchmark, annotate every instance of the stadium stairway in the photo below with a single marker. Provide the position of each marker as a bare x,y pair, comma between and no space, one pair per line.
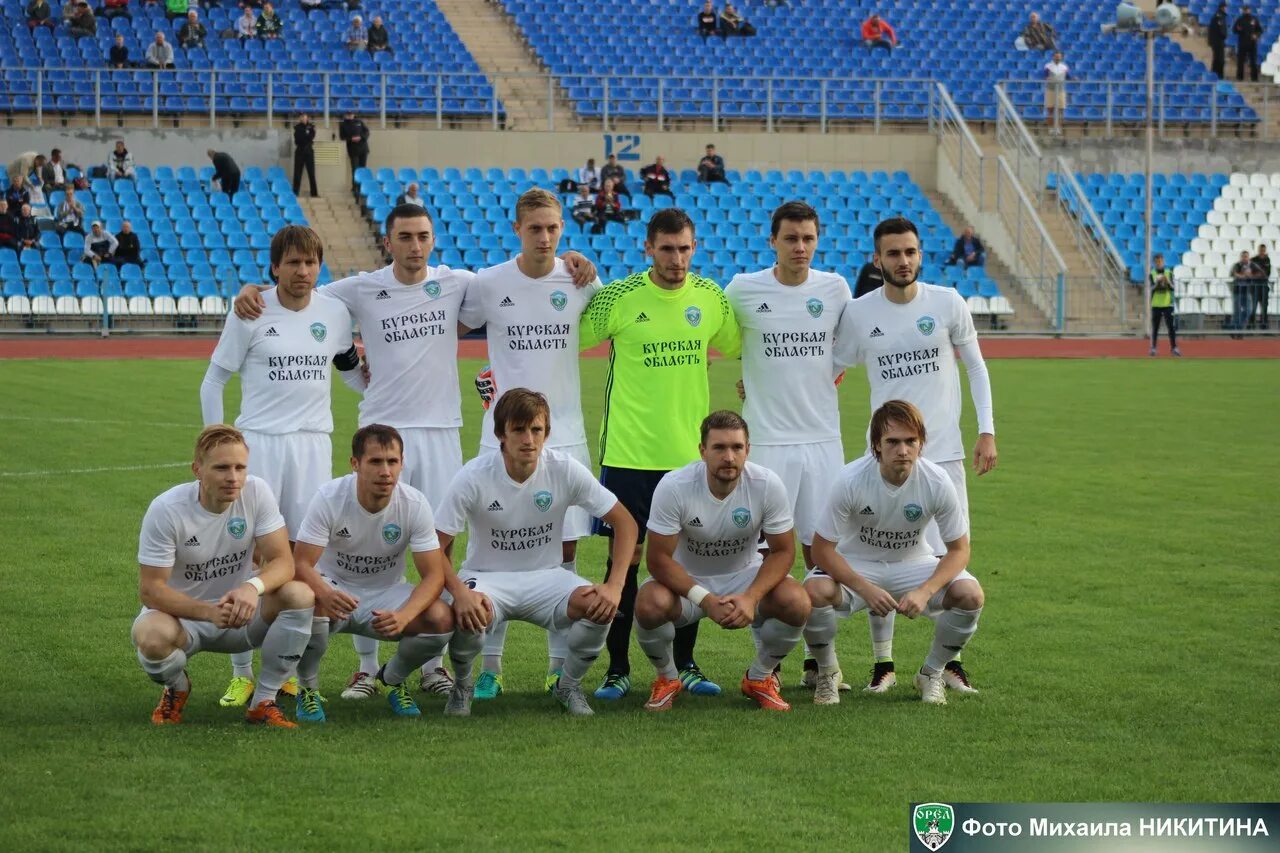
349,245
493,41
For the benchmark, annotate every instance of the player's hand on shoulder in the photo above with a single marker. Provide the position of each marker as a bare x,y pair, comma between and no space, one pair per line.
248,304
913,603
879,602
582,270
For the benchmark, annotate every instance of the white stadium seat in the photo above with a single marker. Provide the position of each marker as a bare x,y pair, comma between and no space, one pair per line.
1188,305
1229,231
1259,179
1197,289
978,306
44,305
3,310
1182,272
117,305
1000,306
140,306
188,305
1219,290
1213,218
1210,307
164,306
1238,179
91,306
213,306
67,305
1200,245
19,305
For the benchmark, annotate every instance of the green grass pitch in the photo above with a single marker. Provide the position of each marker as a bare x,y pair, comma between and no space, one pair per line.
1127,544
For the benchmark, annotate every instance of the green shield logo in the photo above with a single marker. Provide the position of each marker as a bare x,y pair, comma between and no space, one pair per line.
933,824
693,314
391,533
559,300
742,516
236,527
913,512
542,500
925,324
431,288
815,308
319,332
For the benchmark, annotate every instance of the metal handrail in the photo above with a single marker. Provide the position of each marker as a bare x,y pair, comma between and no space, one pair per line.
1092,238
1043,257
960,144
1013,136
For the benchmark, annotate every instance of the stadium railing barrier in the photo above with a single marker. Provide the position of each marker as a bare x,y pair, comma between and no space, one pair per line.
1017,142
957,143
1091,237
1040,267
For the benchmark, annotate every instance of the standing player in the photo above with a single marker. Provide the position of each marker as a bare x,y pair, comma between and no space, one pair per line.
531,311
351,553
662,323
788,315
908,334
198,590
706,520
284,359
514,504
874,554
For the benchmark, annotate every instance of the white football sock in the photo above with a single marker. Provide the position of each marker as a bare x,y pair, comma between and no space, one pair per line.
317,645
820,635
777,639
168,671
585,639
881,628
411,651
656,643
282,648
242,664
953,630
367,649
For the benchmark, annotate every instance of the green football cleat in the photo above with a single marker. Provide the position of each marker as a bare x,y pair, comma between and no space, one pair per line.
238,694
488,685
310,706
553,678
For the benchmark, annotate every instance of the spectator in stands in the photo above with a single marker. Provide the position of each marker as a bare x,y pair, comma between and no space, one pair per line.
176,8
733,24
608,207
99,246
193,32
82,23
584,208
1162,304
310,6
269,24
356,37
17,195
8,228
968,250
1245,275
159,53
69,215
1263,262
40,14
711,168
120,163
27,230
657,180
1248,30
1218,40
304,154
1056,75
876,32
356,134
410,196
707,21
128,247
226,172
589,175
1037,35
55,171
35,185
115,9
119,54
611,169
246,25
869,278
379,38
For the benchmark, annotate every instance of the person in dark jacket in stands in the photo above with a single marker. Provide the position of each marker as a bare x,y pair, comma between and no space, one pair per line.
304,154
17,195
82,23
1248,30
193,32
355,133
608,207
869,278
225,171
1218,31
657,180
118,56
115,9
611,169
8,228
379,38
40,14
128,247
968,250
27,229
707,19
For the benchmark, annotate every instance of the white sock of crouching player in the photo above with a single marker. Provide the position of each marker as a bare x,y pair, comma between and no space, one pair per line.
495,639
881,628
463,649
317,645
656,643
776,639
367,649
411,652
820,634
242,664
282,649
952,631
584,640
169,671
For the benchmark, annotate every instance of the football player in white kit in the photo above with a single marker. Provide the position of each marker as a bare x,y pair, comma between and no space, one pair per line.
704,526
531,311
788,314
514,505
908,334
196,581
284,360
874,554
350,552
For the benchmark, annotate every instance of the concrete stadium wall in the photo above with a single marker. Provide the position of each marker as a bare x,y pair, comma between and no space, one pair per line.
1172,155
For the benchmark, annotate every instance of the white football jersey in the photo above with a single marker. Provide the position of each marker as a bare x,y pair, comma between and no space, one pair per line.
285,362
532,329
788,363
209,554
410,335
518,526
909,351
362,549
869,519
719,537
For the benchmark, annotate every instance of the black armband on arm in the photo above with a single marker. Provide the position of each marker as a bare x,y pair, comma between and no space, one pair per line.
348,360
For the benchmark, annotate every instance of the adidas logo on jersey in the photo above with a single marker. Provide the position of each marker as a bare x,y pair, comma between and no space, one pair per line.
697,522
382,294
193,542
344,533
642,317
495,507
764,308
272,333
506,302
866,510
876,333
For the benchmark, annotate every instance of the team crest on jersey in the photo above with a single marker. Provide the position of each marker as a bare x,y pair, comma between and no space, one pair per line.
742,516
431,288
391,533
319,332
236,527
693,314
559,300
912,512
542,500
933,824
925,325
815,308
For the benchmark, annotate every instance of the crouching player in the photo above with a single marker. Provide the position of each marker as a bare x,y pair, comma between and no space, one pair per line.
350,552
514,503
705,523
874,555
199,594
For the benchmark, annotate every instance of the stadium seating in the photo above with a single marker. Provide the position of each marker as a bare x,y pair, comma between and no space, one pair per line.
968,46
198,246
425,47
473,209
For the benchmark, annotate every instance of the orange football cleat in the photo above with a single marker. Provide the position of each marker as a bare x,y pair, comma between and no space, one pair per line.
268,713
765,693
169,711
662,696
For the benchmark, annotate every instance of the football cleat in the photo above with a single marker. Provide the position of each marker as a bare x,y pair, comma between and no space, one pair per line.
931,687
169,711
553,678
882,677
809,681
310,707
459,704
290,687
268,713
361,686
437,680
697,683
764,694
238,694
615,686
662,695
572,700
954,676
827,689
488,685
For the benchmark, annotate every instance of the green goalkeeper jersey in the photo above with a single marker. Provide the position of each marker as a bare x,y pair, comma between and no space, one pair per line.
656,394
